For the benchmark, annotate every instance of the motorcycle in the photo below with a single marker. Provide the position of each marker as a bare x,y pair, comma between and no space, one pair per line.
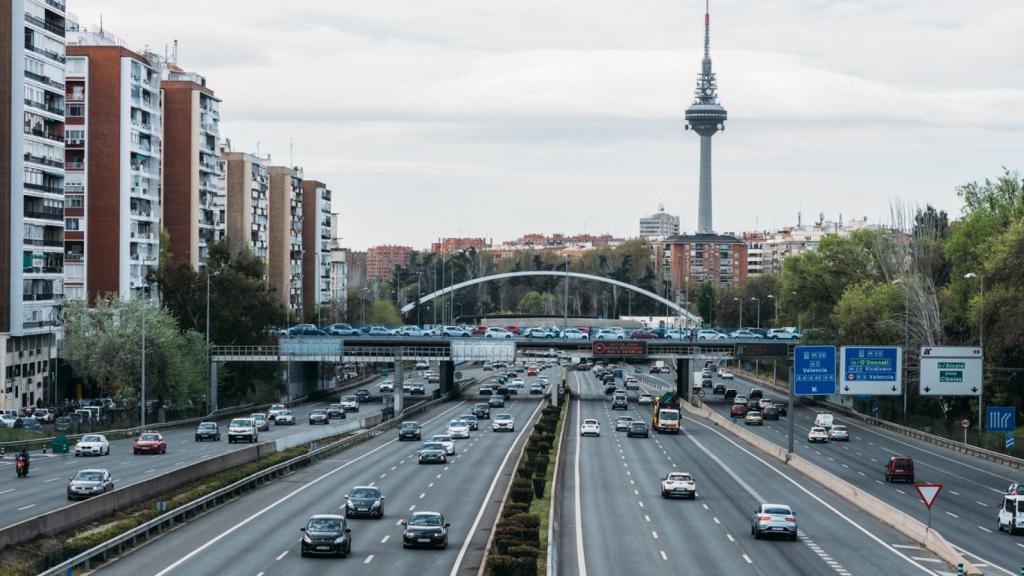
21,465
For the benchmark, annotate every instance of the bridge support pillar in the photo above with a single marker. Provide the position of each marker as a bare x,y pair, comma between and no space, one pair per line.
683,378
447,374
213,387
399,381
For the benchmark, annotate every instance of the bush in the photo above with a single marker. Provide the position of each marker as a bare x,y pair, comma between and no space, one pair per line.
526,468
502,565
521,491
530,552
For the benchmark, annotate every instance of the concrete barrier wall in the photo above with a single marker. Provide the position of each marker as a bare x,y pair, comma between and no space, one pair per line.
78,513
317,433
907,525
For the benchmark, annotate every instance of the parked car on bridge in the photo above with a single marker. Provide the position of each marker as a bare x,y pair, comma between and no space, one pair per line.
783,334
707,334
455,332
574,334
412,331
610,334
496,332
303,330
744,334
341,330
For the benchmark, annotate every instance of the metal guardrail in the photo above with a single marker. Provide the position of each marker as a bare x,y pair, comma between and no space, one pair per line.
982,453
220,413
201,505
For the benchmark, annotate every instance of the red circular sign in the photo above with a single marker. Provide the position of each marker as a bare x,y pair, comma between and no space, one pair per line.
965,423
599,347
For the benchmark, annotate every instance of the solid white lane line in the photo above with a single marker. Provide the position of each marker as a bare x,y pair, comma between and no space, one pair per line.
213,541
282,555
985,529
8,490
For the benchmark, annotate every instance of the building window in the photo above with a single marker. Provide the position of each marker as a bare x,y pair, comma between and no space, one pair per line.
75,110
72,223
73,201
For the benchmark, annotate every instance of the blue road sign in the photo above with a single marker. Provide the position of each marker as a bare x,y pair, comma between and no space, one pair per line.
874,370
814,370
1009,440
1001,419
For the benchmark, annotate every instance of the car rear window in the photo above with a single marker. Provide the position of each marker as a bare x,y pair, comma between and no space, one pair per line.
777,511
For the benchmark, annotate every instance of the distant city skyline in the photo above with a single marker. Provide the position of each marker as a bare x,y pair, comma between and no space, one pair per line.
476,120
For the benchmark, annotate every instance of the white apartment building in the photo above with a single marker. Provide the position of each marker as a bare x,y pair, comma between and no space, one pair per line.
659,225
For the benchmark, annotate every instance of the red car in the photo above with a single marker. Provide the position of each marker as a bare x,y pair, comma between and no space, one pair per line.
150,443
531,371
642,335
479,331
738,410
513,329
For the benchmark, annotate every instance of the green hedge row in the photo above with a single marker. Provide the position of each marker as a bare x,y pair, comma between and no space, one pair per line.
516,545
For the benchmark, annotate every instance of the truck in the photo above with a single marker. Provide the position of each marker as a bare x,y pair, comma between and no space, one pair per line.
665,413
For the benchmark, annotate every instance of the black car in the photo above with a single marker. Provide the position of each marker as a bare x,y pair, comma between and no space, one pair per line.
496,401
638,428
409,431
718,389
432,452
363,395
425,529
486,391
770,413
756,394
335,411
365,501
207,431
318,417
326,534
482,411
730,394
609,389
471,421
753,405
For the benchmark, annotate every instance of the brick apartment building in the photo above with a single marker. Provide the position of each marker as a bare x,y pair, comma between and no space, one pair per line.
381,261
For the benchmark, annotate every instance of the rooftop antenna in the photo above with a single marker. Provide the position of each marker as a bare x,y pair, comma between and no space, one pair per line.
174,54
257,149
291,153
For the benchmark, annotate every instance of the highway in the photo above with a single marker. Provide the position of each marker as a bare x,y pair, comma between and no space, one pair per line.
45,488
614,521
965,511
265,523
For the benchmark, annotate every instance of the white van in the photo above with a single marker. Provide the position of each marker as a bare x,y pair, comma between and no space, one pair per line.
1011,513
824,420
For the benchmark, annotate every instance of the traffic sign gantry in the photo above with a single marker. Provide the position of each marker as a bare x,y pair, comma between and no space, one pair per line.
871,370
814,370
950,371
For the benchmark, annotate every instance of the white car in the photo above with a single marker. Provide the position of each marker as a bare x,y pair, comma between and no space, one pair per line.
422,365
446,441
285,417
645,398
608,334
387,386
458,429
275,409
710,335
92,445
590,427
574,334
8,421
817,434
783,334
678,484
350,403
496,332
503,422
725,375
43,416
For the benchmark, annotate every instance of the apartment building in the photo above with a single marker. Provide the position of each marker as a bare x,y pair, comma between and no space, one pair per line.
32,163
113,142
194,203
446,245
697,258
339,269
248,202
355,267
381,261
659,225
316,243
285,234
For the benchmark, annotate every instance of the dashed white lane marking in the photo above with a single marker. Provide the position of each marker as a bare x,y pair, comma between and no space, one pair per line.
729,536
385,539
951,514
261,574
906,546
663,555
431,485
423,495
647,518
368,559
985,529
411,508
393,468
747,558
900,491
384,475
954,492
438,476
980,503
26,507
398,522
715,518
8,490
282,555
705,506
654,534
641,503
150,470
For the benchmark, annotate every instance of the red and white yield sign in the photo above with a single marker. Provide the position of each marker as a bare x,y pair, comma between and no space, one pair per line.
928,493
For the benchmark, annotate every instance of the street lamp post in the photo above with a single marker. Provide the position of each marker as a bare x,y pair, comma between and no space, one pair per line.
758,300
142,392
775,323
799,327
981,344
740,308
906,342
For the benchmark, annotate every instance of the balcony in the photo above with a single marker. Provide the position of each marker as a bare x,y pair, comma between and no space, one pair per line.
58,243
74,143
43,52
55,163
73,257
46,214
74,165
49,107
45,134
37,296
49,27
43,270
44,188
58,4
45,80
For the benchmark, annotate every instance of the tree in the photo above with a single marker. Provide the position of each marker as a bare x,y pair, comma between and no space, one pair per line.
532,303
383,312
104,344
867,313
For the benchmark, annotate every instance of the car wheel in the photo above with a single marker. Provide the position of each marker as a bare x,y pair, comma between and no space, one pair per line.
303,553
663,494
755,533
794,537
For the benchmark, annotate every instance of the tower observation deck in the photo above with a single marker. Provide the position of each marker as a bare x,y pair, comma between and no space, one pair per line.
705,117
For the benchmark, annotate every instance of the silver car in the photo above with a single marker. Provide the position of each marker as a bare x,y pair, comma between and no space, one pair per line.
839,433
87,483
285,417
773,519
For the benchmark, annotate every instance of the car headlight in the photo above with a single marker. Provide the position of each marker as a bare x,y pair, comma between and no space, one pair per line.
307,539
376,504
339,540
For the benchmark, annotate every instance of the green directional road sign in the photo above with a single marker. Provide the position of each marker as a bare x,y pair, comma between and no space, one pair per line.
950,371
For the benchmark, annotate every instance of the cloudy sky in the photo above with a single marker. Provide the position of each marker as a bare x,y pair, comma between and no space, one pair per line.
496,118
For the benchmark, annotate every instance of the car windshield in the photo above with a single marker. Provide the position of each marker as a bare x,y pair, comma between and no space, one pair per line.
91,438
149,437
285,413
457,423
89,476
625,419
277,407
503,417
207,426
481,406
669,416
323,525
365,493
318,413
425,520
240,422
679,477
349,399
258,416
334,406
440,438
432,446
777,510
839,428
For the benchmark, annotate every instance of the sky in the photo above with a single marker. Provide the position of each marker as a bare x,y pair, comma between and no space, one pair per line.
504,117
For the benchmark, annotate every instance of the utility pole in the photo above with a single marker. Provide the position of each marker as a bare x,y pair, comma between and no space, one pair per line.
565,305
758,300
142,394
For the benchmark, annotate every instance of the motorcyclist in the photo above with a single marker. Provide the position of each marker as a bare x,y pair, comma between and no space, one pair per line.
23,455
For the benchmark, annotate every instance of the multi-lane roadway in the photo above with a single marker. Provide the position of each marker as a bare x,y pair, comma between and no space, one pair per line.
258,534
965,511
45,488
614,521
